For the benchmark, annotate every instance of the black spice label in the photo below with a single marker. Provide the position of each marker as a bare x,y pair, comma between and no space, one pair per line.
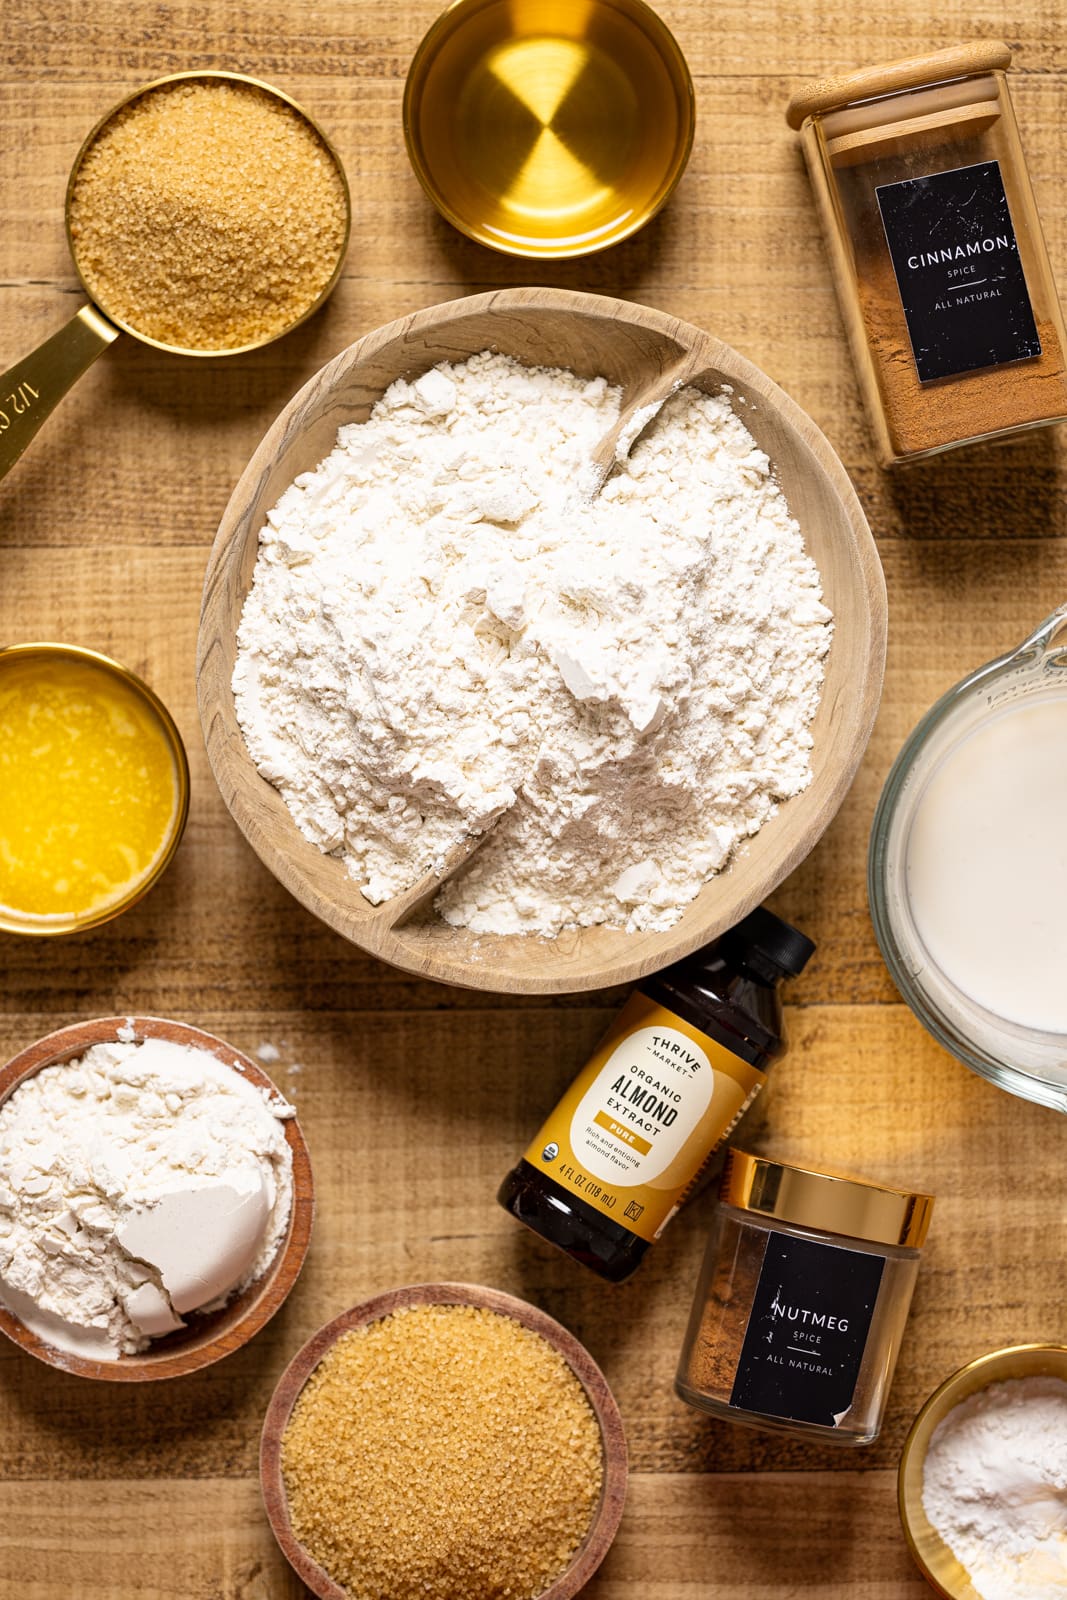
807,1330
958,270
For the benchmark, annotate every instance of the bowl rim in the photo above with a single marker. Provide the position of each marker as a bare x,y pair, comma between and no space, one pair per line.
971,1378
445,25
244,791
80,922
606,1517
267,1293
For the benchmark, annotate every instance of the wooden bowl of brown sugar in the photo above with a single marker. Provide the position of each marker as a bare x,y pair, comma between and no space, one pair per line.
443,1442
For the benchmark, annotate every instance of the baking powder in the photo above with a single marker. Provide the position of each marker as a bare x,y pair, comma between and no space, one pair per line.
447,637
995,1488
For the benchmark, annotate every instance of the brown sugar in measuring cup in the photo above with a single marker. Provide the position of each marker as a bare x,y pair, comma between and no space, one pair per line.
936,248
207,215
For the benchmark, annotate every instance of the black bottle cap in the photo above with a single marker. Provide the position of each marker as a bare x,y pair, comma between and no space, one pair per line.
784,948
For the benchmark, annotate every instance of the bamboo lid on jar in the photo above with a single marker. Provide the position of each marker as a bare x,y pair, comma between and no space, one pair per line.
892,77
826,1201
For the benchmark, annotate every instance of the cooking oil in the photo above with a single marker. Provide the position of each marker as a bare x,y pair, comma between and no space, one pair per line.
549,127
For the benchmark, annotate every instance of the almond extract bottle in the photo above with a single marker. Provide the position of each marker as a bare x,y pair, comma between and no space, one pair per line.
677,1069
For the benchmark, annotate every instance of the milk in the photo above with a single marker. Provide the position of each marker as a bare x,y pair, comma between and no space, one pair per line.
986,864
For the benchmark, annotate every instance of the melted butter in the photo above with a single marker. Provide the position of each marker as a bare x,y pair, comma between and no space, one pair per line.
88,787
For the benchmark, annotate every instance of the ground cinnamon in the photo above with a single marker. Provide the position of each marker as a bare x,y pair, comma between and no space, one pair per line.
924,417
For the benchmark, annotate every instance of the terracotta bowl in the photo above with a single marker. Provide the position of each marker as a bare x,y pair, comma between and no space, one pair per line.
930,1553
208,1337
633,346
608,1513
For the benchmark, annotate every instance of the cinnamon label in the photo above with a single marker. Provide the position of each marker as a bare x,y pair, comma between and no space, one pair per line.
956,260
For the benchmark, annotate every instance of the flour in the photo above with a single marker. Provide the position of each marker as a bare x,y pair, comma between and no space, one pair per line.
97,1150
446,638
995,1488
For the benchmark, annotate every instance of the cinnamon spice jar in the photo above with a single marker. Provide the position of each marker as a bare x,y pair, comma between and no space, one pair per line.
936,248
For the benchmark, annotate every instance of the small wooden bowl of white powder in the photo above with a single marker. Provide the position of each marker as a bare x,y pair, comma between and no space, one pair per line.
156,1199
982,1485
504,724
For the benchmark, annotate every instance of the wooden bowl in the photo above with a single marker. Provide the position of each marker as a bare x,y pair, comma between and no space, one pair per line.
630,345
208,1337
945,1575
606,1516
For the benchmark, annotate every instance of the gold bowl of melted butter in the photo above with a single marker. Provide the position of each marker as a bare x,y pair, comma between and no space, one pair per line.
549,128
94,788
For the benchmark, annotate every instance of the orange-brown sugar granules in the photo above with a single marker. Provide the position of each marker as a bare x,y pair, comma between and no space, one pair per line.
443,1453
207,214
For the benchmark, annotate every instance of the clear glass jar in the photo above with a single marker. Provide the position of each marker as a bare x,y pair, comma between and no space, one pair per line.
1027,1060
802,1300
936,249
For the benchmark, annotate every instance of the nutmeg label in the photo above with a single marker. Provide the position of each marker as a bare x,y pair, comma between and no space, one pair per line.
957,266
639,1122
807,1330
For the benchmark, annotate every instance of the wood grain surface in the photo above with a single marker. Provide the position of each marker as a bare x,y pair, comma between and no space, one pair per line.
415,1098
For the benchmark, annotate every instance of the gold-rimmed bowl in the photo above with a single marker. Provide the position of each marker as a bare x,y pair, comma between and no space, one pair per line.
209,1335
549,128
42,926
930,1553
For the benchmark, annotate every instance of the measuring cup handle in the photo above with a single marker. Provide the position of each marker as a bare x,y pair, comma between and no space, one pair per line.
31,390
1048,639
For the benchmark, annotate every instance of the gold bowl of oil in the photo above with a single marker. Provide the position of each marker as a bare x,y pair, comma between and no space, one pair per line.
549,128
94,789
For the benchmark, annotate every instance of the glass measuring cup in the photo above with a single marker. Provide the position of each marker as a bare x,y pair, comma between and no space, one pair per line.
30,390
1028,1061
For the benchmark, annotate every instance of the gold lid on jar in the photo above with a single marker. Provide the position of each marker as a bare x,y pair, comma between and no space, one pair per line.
827,1201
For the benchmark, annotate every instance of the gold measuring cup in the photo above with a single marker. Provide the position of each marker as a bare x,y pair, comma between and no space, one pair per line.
30,390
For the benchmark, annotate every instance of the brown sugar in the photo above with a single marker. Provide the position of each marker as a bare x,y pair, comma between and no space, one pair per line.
208,214
443,1453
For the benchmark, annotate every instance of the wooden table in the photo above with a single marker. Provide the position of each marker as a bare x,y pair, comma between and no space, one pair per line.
416,1098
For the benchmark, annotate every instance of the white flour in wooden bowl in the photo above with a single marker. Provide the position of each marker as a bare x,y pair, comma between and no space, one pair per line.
447,634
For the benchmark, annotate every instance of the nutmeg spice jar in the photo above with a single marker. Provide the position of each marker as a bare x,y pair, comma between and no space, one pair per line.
936,247
802,1300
